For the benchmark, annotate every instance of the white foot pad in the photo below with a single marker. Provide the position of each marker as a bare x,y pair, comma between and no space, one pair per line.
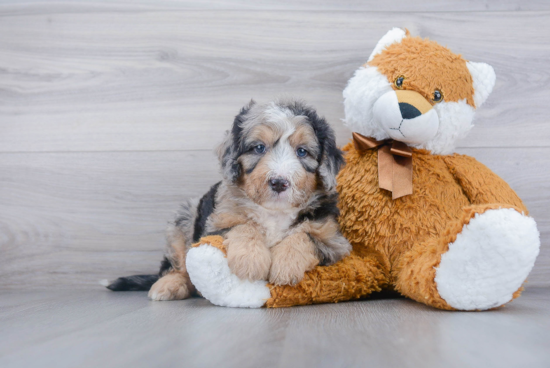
489,260
209,272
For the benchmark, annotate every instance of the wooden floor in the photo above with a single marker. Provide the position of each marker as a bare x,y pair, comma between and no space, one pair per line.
105,329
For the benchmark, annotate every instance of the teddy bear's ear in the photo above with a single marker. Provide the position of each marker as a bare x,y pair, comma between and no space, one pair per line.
483,76
393,36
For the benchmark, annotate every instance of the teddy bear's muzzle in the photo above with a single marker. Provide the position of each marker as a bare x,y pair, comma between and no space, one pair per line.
406,116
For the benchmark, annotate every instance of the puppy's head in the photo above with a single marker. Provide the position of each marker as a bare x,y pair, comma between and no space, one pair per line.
280,154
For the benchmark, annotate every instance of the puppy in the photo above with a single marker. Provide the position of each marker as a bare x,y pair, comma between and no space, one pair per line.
275,207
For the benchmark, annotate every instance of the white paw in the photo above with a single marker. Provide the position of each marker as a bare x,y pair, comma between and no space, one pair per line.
489,260
209,272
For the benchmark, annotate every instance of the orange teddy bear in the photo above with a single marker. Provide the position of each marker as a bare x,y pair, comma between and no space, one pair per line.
436,226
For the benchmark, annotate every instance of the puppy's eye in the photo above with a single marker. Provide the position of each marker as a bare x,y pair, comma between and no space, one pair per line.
438,96
260,148
300,152
399,82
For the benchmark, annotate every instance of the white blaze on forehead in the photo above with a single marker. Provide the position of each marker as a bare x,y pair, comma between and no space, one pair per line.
277,114
279,119
282,120
283,161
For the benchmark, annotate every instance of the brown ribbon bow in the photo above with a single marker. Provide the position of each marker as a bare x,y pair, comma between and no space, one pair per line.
395,167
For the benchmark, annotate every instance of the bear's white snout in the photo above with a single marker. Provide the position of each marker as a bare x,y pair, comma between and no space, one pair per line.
406,116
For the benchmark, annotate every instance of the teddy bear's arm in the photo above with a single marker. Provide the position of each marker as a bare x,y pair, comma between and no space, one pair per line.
352,278
480,184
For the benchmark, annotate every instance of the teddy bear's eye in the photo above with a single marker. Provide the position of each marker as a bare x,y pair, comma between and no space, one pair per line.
438,96
399,82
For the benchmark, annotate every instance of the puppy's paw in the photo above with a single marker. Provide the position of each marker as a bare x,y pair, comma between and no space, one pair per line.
248,262
289,263
172,286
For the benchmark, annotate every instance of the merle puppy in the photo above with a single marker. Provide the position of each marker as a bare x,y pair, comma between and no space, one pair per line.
275,206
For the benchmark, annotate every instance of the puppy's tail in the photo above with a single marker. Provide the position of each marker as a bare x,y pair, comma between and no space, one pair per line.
131,283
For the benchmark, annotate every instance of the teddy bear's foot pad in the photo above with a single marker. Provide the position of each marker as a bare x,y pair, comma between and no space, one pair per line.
489,261
209,272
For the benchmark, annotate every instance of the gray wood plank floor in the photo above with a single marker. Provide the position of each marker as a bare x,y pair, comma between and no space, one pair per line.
105,329
109,110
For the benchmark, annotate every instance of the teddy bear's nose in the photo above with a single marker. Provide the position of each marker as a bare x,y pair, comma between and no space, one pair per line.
408,111
412,104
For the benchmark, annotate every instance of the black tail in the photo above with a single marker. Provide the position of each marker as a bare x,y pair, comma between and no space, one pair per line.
133,283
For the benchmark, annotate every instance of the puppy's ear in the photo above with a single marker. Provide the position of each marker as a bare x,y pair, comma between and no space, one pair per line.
331,162
331,158
231,147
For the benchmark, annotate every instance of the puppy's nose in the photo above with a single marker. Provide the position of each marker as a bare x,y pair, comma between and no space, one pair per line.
408,111
279,185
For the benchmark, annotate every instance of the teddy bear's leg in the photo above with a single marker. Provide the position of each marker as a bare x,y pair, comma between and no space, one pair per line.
352,278
479,263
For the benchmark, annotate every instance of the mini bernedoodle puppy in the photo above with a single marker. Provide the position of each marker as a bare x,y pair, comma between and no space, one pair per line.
275,207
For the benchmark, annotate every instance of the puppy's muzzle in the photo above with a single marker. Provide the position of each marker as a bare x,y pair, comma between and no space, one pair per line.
406,116
279,184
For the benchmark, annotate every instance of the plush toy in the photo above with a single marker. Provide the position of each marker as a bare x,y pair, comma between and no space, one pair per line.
436,226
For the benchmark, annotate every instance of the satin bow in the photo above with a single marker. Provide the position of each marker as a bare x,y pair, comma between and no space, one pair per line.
395,167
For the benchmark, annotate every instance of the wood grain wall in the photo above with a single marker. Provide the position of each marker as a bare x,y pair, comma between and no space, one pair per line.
109,110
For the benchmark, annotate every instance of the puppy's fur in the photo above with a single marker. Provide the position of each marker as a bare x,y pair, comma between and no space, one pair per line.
275,207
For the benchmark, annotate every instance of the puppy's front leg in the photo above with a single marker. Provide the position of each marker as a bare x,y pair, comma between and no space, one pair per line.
291,259
247,255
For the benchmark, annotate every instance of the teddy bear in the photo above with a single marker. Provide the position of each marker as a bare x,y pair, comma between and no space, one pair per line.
435,226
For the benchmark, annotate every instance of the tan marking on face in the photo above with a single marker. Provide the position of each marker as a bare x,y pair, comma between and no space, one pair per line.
256,184
263,133
426,66
305,184
303,136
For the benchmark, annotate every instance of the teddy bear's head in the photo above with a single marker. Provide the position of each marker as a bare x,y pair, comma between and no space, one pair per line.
416,91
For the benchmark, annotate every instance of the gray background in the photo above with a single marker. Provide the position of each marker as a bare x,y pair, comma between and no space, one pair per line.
110,110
